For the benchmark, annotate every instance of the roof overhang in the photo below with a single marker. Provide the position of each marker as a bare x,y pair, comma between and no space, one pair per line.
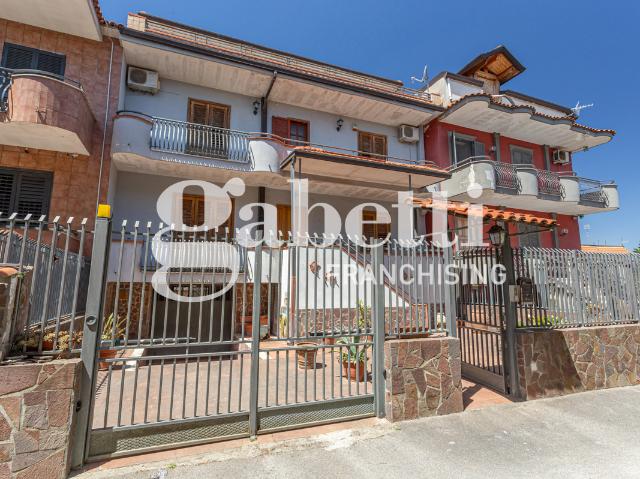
74,17
522,122
359,170
499,62
195,65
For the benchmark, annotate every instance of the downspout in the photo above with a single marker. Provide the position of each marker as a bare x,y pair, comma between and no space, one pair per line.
104,127
547,166
496,144
264,122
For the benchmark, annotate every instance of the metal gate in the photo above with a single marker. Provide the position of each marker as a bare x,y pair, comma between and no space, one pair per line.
292,341
481,318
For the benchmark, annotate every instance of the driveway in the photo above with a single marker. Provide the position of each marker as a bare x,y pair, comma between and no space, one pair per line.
588,435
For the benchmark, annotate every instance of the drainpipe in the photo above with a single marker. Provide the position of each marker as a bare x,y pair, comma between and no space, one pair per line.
104,126
264,122
547,166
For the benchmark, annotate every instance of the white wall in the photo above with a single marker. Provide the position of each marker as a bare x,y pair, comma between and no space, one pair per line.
172,102
322,130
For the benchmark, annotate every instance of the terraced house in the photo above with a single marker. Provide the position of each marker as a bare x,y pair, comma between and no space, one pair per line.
92,112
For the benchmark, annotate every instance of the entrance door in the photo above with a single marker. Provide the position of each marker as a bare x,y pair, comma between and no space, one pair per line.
481,313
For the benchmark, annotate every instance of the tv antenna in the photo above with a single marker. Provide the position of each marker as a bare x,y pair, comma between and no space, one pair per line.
578,108
425,77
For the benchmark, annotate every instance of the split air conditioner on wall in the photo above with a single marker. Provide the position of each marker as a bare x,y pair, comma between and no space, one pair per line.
143,80
561,157
407,134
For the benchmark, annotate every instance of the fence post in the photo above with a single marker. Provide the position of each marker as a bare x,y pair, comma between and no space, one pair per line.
91,333
577,280
378,317
255,344
449,295
511,317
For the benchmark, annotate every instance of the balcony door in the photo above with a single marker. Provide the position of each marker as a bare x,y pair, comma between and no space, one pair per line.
206,135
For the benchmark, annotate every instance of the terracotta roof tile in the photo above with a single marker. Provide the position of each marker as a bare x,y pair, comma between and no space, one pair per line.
587,248
460,208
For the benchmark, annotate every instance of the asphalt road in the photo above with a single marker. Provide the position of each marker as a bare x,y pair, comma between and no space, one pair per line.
588,435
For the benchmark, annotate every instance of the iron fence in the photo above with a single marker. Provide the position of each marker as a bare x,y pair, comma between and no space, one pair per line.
56,271
562,288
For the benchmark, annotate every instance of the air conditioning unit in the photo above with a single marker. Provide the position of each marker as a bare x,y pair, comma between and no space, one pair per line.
561,157
407,134
143,80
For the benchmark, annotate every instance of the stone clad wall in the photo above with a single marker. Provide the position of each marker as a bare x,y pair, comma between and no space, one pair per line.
564,361
37,409
423,377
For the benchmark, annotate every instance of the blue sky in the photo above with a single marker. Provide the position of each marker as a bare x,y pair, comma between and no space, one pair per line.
583,51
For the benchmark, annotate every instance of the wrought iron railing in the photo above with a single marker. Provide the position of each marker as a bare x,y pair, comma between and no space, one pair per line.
549,184
507,177
193,139
5,86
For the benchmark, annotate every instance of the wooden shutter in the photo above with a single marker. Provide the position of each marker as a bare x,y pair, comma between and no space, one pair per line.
207,113
372,143
198,112
280,127
380,145
374,230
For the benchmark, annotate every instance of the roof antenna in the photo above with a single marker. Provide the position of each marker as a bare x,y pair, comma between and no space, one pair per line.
578,108
425,77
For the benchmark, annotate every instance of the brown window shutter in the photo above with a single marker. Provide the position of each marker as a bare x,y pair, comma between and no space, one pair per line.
218,116
280,127
284,220
189,210
198,112
369,229
380,145
364,142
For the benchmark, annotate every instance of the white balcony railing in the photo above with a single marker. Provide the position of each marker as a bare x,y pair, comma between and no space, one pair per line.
205,141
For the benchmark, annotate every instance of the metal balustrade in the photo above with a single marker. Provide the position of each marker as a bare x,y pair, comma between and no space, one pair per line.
591,192
549,184
205,141
507,177
5,86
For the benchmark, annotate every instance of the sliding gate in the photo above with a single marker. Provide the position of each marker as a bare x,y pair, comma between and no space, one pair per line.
481,317
289,343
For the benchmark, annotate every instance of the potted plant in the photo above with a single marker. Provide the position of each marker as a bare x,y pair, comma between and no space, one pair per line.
353,358
110,337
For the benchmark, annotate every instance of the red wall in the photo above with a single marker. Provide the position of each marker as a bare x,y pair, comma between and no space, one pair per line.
437,150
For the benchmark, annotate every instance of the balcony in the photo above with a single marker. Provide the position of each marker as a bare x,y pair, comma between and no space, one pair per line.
142,143
44,111
481,179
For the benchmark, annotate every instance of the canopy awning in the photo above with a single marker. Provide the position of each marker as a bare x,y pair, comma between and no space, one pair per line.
488,214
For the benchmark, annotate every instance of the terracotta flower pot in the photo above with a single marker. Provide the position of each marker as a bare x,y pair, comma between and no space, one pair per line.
248,326
307,355
354,371
106,354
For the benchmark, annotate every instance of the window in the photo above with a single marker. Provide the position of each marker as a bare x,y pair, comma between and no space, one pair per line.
17,57
521,156
25,192
463,147
370,144
528,235
374,230
206,141
461,225
193,214
284,220
297,131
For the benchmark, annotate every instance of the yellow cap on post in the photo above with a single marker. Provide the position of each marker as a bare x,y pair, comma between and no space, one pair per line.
104,211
